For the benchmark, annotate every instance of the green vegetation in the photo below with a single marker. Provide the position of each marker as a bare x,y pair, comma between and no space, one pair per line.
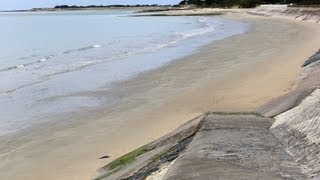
160,155
127,158
245,3
108,6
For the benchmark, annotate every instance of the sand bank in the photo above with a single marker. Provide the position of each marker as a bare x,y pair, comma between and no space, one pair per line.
236,74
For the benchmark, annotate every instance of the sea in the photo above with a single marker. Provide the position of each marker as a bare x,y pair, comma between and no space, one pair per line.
49,61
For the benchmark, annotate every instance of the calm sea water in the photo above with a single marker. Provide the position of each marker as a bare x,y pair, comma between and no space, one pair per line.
58,55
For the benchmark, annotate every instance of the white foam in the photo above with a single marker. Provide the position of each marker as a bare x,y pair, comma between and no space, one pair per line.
88,63
202,20
204,30
96,46
20,66
43,60
189,34
79,65
197,32
186,35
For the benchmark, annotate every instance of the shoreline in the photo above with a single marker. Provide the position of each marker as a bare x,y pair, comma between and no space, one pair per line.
250,77
213,143
103,8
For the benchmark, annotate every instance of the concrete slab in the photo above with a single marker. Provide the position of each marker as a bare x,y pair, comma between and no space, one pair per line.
234,147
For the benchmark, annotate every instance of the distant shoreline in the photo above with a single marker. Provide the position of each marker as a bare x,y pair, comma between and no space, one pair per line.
237,74
142,8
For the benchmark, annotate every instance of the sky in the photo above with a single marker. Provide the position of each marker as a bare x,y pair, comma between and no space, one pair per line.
28,4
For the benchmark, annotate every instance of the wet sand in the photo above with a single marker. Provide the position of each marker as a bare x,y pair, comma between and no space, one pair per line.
236,74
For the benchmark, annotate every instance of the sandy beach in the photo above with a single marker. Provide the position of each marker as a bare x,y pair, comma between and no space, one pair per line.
235,74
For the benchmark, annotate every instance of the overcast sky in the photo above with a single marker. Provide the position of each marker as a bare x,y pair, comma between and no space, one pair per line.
28,4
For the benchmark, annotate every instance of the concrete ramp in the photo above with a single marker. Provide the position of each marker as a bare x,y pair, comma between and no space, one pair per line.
222,145
234,147
214,146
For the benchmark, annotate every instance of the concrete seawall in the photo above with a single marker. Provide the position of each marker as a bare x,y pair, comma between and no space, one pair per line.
299,13
297,119
280,140
239,145
224,145
299,131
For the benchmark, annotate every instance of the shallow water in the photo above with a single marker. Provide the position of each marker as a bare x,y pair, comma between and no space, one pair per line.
51,61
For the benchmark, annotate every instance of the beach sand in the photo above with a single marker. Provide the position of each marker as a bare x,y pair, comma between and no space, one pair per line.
236,74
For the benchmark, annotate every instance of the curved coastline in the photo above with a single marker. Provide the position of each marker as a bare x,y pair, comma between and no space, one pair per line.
234,75
219,146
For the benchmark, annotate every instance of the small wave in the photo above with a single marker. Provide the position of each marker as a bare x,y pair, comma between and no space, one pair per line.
207,28
67,52
20,66
96,46
46,58
26,64
82,65
203,20
89,47
43,60
87,63
83,48
23,86
197,32
75,67
186,35
204,30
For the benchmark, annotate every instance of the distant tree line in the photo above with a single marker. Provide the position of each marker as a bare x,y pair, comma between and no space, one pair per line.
103,6
245,3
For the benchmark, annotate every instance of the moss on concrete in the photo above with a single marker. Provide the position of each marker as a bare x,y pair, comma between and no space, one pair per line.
127,158
222,113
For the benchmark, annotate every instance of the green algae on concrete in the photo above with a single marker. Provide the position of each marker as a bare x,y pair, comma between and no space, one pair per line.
127,158
224,113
